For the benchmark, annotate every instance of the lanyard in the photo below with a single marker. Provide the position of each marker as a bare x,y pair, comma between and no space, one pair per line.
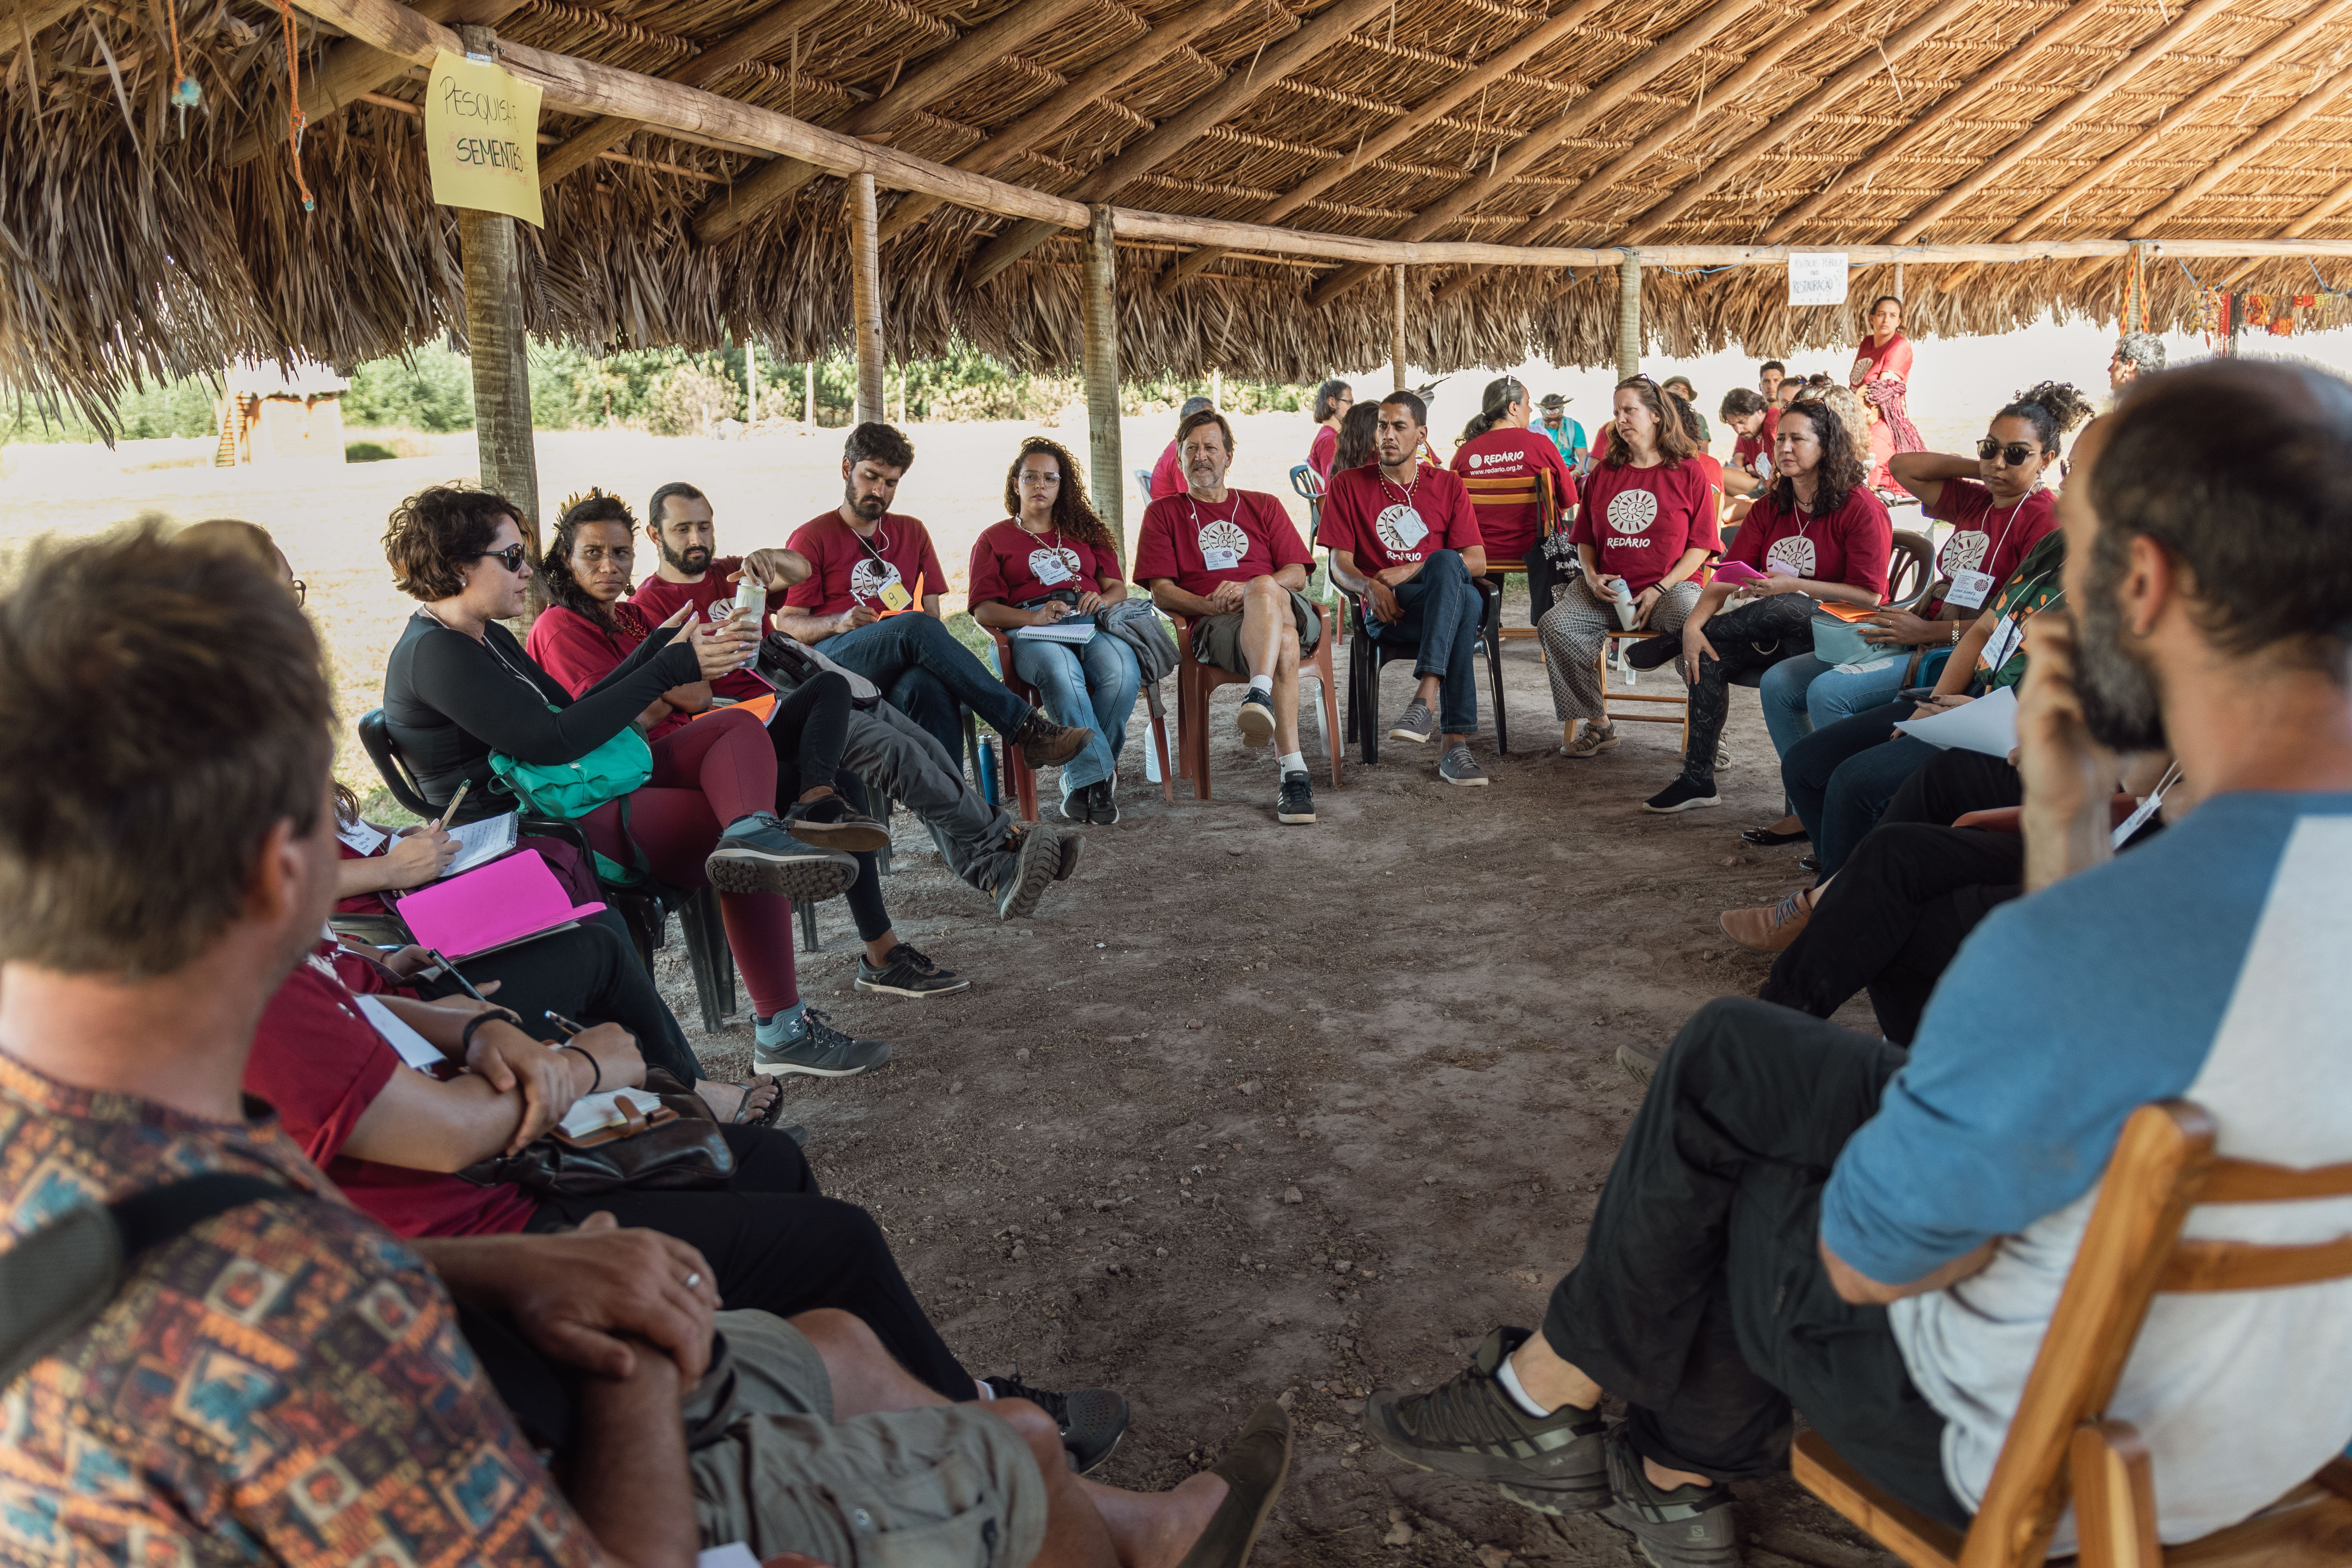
1234,519
869,544
1387,484
1992,554
487,647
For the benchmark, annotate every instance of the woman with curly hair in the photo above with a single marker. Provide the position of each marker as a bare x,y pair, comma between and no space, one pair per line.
1050,562
1818,532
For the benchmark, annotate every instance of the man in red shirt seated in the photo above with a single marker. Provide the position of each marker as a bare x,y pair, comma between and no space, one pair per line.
1408,533
872,599
1232,562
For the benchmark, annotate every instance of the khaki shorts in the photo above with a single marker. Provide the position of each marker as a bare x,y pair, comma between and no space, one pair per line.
948,1486
1217,639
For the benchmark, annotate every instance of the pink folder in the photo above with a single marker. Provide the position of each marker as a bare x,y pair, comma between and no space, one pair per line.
495,906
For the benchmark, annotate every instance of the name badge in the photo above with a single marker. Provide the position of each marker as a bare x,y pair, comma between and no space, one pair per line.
1050,568
1968,589
365,837
895,597
2137,820
2001,643
1410,528
1219,560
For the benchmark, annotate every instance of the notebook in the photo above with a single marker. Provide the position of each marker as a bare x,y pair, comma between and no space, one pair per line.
504,902
1077,631
483,841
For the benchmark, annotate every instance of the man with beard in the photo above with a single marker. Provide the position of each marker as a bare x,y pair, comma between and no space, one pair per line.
872,598
1803,1216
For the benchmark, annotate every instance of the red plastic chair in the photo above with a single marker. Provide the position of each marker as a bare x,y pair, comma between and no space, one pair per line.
1196,681
2007,818
1024,776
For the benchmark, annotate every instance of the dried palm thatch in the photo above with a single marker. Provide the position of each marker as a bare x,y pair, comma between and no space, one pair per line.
138,248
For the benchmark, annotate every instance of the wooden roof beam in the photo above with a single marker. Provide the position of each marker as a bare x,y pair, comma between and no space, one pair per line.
1236,92
2055,122
1781,127
2319,213
1930,124
1605,97
947,70
1444,101
1130,61
2286,41
351,69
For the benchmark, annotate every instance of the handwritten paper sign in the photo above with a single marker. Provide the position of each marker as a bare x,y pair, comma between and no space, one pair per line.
481,138
1817,278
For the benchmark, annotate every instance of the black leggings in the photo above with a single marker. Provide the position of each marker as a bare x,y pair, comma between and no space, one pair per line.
810,728
590,973
1755,637
775,1244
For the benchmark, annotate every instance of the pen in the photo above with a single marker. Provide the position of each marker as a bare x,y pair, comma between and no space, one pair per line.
456,800
564,1023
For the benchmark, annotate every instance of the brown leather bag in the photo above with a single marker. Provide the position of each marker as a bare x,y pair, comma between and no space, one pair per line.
678,1147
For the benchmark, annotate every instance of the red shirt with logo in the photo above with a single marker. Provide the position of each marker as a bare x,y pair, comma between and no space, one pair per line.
1749,449
1364,510
656,601
1892,360
1640,521
1987,536
1323,451
1849,545
1011,563
846,570
1511,530
1191,541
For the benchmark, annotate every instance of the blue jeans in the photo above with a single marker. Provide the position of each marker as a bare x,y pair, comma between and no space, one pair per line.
1840,695
1443,617
1786,717
1094,685
928,676
1840,778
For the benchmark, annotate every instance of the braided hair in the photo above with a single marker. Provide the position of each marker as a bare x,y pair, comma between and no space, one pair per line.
555,568
2052,407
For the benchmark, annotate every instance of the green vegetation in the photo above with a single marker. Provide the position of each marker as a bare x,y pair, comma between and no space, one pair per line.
367,452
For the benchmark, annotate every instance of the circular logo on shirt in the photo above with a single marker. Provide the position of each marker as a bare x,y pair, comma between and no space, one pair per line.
1224,534
1633,512
869,577
1042,560
1393,537
1965,551
1796,553
1478,459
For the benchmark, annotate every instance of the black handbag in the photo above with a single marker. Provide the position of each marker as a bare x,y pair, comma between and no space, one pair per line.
678,1147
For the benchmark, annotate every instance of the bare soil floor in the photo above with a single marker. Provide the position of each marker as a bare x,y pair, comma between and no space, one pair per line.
1245,1111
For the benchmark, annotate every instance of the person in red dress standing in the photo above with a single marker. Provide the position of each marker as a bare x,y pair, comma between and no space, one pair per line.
1499,444
1882,374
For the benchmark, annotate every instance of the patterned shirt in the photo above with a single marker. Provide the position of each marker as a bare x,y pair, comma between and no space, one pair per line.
2033,587
285,1383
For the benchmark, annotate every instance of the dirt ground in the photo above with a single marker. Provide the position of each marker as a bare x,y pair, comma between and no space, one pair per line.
1245,1111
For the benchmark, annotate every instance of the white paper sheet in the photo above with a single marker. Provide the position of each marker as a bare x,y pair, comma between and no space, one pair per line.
1987,725
483,840
415,1049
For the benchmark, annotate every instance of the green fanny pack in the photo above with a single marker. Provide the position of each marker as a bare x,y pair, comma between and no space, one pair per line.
614,770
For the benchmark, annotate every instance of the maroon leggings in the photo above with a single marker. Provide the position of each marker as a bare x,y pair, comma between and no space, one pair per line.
705,776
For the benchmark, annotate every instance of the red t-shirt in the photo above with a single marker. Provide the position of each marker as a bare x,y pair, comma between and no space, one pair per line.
1248,527
1849,545
1987,537
846,570
1640,521
321,1065
1011,563
1361,510
1322,452
1870,363
1748,449
1505,453
579,653
656,601
1168,475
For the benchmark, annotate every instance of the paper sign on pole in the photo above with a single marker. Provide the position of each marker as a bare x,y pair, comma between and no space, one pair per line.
1817,278
481,138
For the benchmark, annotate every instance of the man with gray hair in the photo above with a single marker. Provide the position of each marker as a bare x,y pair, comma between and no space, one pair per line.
2137,355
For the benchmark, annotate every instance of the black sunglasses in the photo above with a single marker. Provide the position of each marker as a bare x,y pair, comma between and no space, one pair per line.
2016,454
512,556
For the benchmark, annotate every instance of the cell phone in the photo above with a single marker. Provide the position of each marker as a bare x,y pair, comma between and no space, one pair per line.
1916,693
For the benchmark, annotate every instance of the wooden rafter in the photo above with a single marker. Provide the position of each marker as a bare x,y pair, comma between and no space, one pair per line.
944,71
1782,126
351,69
2315,215
2286,41
2273,130
1538,143
1130,61
1222,102
1406,126
2055,123
1931,125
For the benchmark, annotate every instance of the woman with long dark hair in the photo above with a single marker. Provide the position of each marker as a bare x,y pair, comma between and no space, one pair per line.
1359,433
1053,561
1499,455
1332,401
1882,373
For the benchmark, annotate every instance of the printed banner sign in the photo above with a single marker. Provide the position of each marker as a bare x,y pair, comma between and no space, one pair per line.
481,138
1817,278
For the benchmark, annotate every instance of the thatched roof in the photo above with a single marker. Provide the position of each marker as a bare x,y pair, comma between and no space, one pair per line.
138,247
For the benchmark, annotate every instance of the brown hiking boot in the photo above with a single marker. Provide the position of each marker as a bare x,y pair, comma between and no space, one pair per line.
1770,928
1045,744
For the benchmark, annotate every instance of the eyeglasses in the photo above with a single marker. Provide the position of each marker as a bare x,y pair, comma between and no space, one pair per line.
1034,478
512,557
301,591
2016,454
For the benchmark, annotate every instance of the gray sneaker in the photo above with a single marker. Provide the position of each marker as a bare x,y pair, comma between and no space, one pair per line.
758,854
1455,767
1035,864
1416,724
1688,1527
819,1050
1470,1426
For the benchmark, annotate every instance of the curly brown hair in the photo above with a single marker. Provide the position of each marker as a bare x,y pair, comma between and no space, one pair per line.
1842,470
436,533
1074,515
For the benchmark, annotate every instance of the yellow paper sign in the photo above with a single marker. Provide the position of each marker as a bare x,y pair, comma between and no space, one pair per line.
481,138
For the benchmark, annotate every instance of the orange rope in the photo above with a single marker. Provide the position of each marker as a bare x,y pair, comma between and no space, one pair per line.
295,121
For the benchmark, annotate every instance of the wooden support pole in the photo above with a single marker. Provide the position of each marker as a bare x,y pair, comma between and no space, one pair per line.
808,395
866,282
1396,335
752,381
495,340
1106,484
1629,316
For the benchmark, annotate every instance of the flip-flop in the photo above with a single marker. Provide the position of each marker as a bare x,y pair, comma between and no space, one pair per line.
775,1107
1253,1467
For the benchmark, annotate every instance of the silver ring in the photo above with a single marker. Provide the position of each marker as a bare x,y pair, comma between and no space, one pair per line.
693,1279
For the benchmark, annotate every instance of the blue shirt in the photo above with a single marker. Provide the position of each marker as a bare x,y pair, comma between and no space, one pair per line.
2209,964
1569,438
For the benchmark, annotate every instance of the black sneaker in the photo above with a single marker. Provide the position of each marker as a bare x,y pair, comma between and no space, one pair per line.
906,971
830,822
756,855
1045,744
1102,810
1092,1420
1255,720
1688,1527
1037,862
1471,1428
1651,652
1295,803
1079,806
1683,796
819,1050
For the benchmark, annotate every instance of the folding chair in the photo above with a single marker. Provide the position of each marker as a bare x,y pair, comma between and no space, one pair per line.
1367,655
2060,1446
1196,681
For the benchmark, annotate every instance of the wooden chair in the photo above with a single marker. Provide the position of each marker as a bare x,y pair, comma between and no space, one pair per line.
1367,655
1024,777
1679,702
1495,491
2060,1444
1196,681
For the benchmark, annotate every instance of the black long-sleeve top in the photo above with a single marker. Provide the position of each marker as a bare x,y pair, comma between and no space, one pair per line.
450,702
